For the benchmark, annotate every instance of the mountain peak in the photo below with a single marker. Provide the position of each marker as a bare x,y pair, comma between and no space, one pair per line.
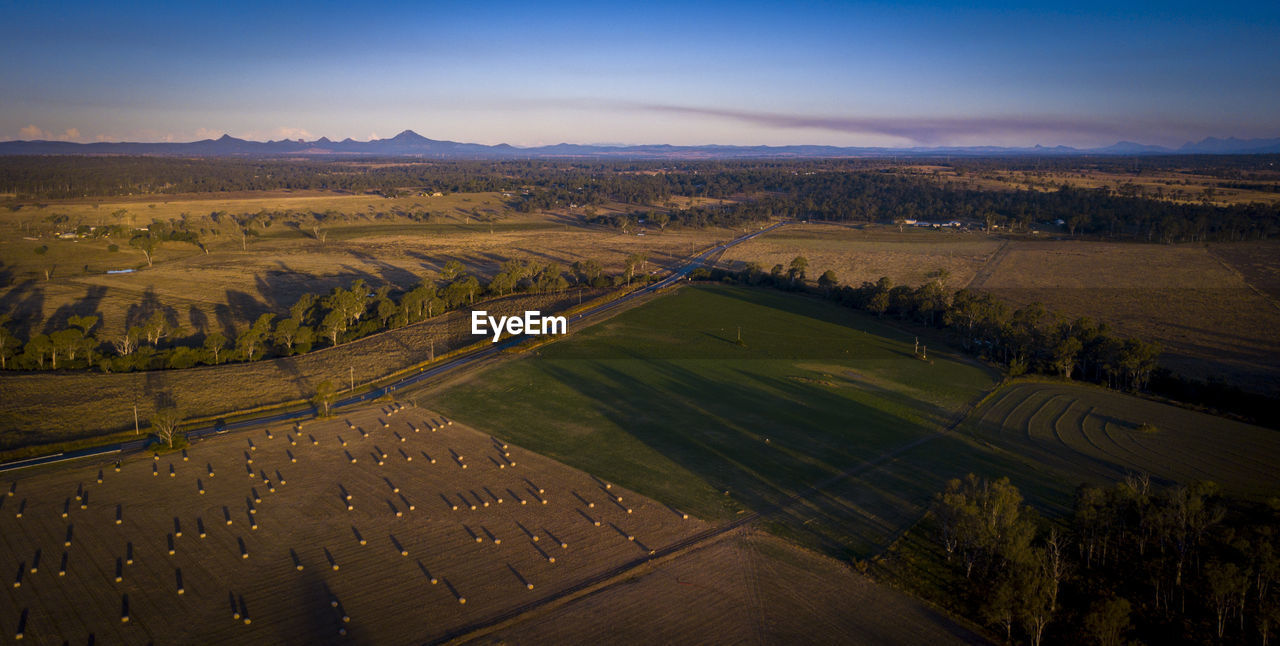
409,135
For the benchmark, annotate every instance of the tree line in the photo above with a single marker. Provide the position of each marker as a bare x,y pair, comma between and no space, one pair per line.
1023,340
830,190
1134,563
1029,339
313,321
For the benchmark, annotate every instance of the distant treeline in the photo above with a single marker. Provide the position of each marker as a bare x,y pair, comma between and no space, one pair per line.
1135,563
1023,340
842,191
1228,167
314,321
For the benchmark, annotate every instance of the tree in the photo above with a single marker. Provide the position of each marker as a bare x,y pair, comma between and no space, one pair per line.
451,270
333,325
214,344
249,342
35,350
1000,604
165,422
1108,621
633,261
66,342
8,342
144,243
828,281
661,219
126,343
84,323
795,272
326,391
1223,581
285,333
156,327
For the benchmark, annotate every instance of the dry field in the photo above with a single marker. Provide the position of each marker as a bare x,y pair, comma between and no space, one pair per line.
235,542
237,282
749,588
1257,262
1209,320
1185,187
41,407
866,253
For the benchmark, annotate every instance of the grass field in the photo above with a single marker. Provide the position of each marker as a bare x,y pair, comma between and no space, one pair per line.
664,399
866,253
1088,433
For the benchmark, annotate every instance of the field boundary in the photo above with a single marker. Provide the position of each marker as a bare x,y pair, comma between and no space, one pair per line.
989,267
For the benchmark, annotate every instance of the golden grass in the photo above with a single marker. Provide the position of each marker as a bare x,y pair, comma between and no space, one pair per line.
236,282
1209,320
867,253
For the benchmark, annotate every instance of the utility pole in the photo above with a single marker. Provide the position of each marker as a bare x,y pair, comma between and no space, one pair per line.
136,431
433,349
353,377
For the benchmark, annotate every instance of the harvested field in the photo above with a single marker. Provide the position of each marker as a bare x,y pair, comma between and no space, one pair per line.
1257,262
43,407
240,544
869,252
1209,320
748,588
1096,435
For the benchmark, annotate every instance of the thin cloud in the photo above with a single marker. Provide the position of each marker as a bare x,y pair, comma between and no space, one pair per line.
929,131
33,132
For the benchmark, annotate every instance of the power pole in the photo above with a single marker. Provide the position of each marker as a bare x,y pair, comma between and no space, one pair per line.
136,431
353,377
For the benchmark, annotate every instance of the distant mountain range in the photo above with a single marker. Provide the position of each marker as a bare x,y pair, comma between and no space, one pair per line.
410,143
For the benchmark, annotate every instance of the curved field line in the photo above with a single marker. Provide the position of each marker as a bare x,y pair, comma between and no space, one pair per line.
1057,420
1044,407
1120,453
1084,433
1076,428
990,411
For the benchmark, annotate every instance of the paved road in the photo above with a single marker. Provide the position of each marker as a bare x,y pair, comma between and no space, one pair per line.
444,368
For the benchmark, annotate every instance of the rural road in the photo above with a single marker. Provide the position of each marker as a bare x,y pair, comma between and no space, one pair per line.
449,366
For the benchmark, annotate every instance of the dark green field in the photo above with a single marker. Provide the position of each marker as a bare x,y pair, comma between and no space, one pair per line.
664,400
1085,432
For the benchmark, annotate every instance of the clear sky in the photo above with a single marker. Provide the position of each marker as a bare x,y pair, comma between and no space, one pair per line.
542,72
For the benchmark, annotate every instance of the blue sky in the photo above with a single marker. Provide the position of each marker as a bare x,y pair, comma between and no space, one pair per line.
535,73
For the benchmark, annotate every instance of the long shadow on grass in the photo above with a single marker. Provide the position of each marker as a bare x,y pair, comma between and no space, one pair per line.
717,429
